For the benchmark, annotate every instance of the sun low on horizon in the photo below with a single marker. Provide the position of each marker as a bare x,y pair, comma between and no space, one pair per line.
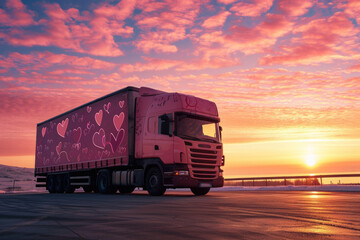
285,75
310,158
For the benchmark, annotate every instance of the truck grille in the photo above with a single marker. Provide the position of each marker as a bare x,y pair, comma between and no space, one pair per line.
203,163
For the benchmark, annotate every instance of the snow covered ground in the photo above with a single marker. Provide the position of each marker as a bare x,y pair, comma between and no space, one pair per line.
23,177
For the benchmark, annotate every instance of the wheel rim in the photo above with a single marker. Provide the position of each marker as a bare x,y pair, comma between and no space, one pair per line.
153,181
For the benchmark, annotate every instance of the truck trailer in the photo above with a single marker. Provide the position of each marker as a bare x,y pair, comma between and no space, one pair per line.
134,137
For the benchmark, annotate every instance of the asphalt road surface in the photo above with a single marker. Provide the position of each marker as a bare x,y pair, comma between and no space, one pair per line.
180,215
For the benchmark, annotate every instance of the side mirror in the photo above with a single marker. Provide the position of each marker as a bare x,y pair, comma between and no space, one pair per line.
220,128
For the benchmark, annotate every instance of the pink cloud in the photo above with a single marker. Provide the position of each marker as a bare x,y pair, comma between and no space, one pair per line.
151,64
354,68
17,15
163,27
160,41
226,1
327,30
67,29
120,11
302,54
59,63
295,7
261,37
209,59
216,21
251,8
208,63
321,40
353,10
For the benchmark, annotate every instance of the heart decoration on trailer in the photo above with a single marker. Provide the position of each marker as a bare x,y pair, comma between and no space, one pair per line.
61,127
118,120
98,117
43,131
107,107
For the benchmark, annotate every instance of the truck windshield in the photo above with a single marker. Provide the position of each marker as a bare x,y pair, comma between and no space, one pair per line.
195,127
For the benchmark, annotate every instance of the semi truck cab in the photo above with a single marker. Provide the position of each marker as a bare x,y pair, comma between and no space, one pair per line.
181,133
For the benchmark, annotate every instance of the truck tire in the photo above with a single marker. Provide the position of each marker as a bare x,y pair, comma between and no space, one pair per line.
200,191
67,184
127,189
155,182
59,183
104,182
50,184
87,189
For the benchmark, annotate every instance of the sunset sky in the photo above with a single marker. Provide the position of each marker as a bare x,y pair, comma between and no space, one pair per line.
285,74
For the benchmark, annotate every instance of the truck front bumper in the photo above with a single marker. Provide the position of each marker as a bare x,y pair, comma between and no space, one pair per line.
185,181
175,177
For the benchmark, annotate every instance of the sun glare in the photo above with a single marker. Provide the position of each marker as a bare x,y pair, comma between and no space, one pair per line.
310,159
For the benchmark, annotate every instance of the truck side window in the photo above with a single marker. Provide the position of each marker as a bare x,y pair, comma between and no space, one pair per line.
166,124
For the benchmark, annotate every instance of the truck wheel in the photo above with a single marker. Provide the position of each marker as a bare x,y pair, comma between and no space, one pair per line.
127,189
67,184
104,182
155,182
87,189
50,184
200,191
59,184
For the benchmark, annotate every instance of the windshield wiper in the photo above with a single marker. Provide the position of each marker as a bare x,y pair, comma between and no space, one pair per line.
208,139
190,137
198,139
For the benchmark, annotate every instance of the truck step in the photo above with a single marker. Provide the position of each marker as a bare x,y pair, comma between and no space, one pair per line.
80,181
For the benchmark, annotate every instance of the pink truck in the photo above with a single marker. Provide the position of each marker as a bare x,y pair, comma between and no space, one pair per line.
135,137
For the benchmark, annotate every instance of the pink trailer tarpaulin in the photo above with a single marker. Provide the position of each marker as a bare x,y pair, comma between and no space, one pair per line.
93,135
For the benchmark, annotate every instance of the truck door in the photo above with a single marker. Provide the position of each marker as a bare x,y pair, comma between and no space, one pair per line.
164,145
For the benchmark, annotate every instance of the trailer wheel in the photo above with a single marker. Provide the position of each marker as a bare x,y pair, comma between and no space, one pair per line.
200,191
67,184
104,182
155,182
87,189
50,184
127,189
59,183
